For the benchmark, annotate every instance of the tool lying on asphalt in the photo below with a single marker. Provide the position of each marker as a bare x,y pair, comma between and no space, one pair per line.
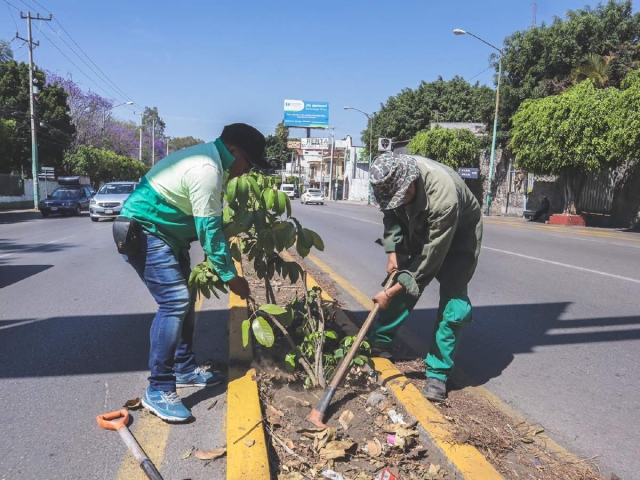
118,421
317,414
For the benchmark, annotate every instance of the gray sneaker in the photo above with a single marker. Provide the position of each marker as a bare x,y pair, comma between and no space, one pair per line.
435,390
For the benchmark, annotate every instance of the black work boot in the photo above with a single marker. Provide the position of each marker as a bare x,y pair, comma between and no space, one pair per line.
435,390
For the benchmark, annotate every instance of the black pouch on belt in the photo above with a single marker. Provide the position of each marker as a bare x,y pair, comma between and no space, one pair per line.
127,233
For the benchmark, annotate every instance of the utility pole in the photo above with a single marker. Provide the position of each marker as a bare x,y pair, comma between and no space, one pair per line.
34,135
168,140
333,143
140,142
153,141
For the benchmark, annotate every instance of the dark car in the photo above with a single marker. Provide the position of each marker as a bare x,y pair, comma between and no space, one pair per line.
70,198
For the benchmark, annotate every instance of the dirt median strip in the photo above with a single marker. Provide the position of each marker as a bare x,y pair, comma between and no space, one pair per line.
467,459
245,459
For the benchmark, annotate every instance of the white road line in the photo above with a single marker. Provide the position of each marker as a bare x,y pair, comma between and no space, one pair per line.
566,265
352,218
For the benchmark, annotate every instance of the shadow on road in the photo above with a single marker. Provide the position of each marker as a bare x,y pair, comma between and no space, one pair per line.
8,246
10,274
19,217
499,332
90,344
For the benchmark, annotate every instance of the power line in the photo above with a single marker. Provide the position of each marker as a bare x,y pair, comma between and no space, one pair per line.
127,97
11,13
488,68
72,63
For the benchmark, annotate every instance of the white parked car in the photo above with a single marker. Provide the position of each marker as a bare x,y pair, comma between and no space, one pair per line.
107,203
312,195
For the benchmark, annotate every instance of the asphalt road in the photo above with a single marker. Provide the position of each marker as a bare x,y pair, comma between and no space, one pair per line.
556,331
74,340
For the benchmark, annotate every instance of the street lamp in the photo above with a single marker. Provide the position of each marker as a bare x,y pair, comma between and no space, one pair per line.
370,117
104,115
458,31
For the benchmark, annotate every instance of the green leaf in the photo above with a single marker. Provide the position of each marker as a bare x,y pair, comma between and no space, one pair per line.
266,241
331,334
272,309
317,241
245,220
254,185
358,360
280,203
263,332
232,186
339,353
242,192
288,205
259,220
268,196
245,332
302,250
305,236
290,361
227,215
294,272
283,232
286,319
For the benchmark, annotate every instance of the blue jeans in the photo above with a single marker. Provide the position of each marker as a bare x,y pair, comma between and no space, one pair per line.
172,328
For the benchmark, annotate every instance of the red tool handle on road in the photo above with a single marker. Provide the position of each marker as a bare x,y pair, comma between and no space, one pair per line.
114,420
118,421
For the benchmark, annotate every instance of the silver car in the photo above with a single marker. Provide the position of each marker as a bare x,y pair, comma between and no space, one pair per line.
312,195
107,203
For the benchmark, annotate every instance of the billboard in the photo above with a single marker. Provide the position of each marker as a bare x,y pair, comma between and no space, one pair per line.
293,144
314,143
306,114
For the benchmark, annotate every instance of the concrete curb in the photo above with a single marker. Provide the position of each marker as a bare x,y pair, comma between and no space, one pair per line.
247,456
465,458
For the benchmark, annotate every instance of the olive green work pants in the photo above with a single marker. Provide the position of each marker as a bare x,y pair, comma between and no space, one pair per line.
454,311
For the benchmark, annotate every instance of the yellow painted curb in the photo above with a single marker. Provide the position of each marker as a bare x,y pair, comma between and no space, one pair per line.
467,459
244,416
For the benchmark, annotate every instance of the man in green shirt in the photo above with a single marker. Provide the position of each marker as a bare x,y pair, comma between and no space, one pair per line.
177,202
432,229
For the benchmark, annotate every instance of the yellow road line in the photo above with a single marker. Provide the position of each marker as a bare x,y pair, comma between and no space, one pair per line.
467,459
360,297
152,434
244,416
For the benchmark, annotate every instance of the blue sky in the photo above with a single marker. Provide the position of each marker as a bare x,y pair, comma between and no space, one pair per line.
205,64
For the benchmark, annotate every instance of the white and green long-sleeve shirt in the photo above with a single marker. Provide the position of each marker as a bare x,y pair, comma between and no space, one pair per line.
180,201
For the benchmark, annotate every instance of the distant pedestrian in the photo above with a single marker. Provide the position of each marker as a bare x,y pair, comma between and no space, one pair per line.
432,229
177,202
545,205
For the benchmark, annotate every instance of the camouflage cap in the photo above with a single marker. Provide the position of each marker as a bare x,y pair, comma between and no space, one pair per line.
390,178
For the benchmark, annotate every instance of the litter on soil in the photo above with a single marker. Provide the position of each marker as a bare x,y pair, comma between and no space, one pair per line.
510,445
360,439
367,431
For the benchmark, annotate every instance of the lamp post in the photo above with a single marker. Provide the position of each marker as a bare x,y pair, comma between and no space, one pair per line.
458,31
370,117
140,141
104,116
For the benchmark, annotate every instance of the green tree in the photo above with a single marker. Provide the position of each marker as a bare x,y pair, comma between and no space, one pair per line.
282,132
413,110
593,67
455,148
55,130
539,61
103,165
566,135
6,54
624,135
179,143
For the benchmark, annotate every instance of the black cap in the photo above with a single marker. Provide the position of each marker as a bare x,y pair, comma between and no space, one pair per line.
248,139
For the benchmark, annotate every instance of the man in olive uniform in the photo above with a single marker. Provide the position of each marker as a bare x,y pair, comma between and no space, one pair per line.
432,229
